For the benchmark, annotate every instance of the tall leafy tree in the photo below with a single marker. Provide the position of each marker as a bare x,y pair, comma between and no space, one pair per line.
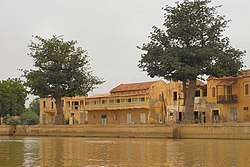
62,70
190,46
34,106
12,97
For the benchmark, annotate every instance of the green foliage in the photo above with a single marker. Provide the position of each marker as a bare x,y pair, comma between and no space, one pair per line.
191,45
8,120
12,97
35,106
29,117
62,70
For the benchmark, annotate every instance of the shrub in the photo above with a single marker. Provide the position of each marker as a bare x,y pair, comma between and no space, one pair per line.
8,120
29,118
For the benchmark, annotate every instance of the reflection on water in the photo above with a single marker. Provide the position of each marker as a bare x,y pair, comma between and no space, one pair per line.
98,152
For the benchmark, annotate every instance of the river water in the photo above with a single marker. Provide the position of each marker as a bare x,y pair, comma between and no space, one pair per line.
121,152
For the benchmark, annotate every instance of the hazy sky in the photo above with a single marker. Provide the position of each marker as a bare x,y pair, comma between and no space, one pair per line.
109,30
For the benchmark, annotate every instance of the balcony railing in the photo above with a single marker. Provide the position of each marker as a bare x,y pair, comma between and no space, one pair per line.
122,105
227,99
49,110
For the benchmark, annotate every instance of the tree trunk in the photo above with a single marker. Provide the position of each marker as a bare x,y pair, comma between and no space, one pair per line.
184,85
59,120
189,105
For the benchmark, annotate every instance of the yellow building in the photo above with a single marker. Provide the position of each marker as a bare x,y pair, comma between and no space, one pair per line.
141,103
73,108
129,103
232,98
175,102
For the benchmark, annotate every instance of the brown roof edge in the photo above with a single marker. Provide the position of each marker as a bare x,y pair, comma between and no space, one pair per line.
226,82
115,95
98,96
242,73
133,86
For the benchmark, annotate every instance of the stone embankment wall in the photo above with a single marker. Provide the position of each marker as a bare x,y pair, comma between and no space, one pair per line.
96,131
178,131
213,131
5,130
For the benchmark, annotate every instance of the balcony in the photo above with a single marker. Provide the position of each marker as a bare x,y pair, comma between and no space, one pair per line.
49,110
118,106
227,99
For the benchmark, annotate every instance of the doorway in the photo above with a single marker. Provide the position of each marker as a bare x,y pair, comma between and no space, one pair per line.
179,117
81,118
215,116
196,117
143,118
104,119
129,118
233,114
204,118
44,119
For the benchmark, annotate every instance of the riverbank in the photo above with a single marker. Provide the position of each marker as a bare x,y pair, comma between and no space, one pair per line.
177,131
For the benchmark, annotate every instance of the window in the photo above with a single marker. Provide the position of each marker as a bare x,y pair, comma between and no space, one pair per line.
117,100
245,108
142,99
229,90
213,91
111,101
76,104
93,102
44,104
197,93
204,90
52,105
161,97
104,101
129,100
175,96
135,99
246,89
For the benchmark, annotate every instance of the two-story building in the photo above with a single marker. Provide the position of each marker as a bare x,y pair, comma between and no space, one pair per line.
232,98
176,105
73,108
129,103
143,102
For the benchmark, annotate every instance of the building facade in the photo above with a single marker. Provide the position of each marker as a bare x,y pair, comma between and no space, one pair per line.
231,96
176,106
73,108
141,103
224,99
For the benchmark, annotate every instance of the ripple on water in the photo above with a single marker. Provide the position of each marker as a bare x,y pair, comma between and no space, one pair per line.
97,152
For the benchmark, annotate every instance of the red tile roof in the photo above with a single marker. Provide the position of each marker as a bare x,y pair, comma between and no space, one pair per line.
132,86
